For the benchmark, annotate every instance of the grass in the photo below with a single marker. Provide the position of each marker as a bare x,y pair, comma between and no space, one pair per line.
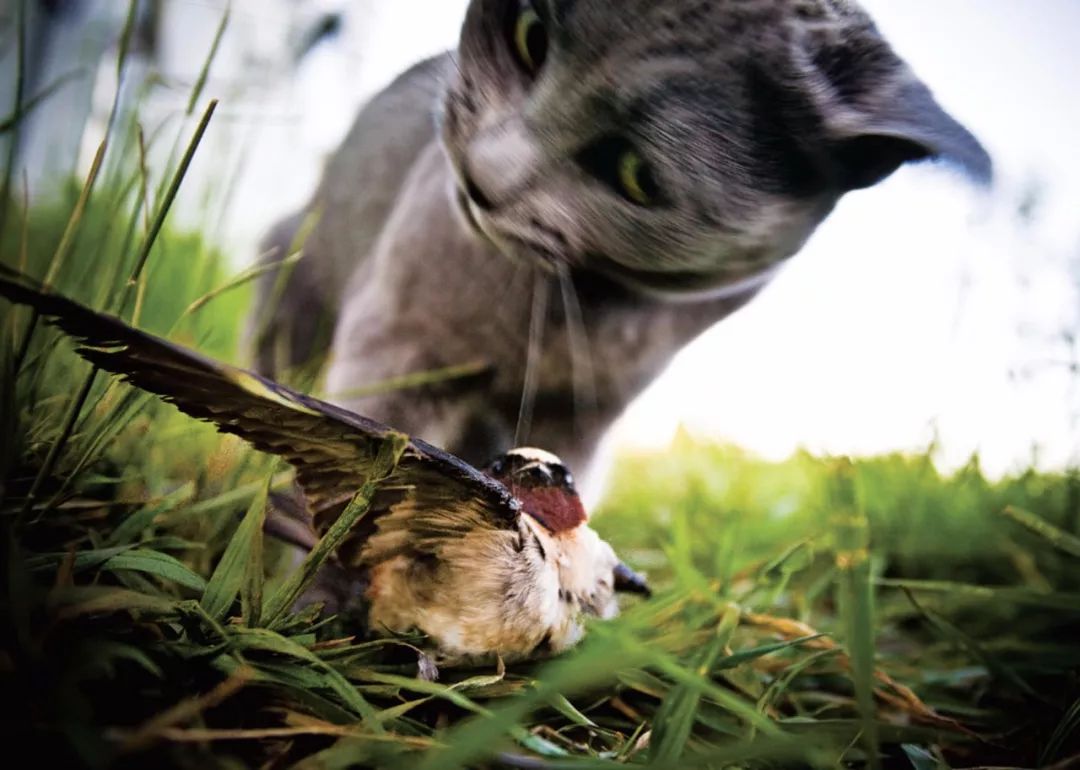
818,612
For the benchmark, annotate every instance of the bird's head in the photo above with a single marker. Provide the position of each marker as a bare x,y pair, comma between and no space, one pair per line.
545,487
543,484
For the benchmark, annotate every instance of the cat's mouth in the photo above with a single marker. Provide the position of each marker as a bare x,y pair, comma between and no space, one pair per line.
514,247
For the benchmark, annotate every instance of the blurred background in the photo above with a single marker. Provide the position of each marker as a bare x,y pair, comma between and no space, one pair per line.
922,314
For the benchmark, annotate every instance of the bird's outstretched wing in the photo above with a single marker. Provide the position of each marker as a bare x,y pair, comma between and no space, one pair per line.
332,449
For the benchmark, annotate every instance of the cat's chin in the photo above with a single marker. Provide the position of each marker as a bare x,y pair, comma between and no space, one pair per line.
677,286
465,211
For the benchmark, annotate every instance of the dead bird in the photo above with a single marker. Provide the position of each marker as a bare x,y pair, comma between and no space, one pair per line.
501,562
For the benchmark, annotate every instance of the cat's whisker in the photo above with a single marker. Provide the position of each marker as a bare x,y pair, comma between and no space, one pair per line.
583,376
453,58
533,358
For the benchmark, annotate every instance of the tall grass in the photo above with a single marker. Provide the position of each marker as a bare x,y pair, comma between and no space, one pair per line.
810,613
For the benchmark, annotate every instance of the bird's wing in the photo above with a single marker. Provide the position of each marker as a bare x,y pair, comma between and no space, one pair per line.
332,449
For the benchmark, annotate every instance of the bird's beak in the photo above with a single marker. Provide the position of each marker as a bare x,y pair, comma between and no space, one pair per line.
628,581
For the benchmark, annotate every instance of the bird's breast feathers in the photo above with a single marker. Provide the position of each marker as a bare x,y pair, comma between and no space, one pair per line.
518,593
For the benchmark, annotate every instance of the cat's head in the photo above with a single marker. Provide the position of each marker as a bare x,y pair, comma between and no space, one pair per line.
682,146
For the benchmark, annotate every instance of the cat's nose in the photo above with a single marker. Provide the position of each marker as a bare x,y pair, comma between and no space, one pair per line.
500,163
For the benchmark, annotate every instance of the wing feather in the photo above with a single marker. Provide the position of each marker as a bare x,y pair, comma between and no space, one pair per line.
331,448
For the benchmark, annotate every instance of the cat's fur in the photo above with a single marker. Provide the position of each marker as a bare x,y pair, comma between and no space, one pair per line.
755,116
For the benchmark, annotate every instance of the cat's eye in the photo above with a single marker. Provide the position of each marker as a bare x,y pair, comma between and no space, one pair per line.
635,178
530,39
614,161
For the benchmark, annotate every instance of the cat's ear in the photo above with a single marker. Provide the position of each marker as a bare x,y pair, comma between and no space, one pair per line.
878,115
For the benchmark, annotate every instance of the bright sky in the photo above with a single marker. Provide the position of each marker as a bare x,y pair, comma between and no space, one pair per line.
920,309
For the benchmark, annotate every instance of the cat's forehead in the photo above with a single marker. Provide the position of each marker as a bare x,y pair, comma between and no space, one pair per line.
689,54
712,24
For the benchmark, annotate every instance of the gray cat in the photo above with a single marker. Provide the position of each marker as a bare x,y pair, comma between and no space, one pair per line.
577,192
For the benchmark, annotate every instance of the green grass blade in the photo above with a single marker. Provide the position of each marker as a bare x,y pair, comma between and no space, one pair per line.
250,640
855,597
131,528
239,281
467,371
107,429
63,248
14,119
158,564
166,205
1057,537
294,586
9,411
1057,600
951,631
251,590
232,571
94,600
1066,728
674,721
71,416
922,759
17,109
82,560
208,62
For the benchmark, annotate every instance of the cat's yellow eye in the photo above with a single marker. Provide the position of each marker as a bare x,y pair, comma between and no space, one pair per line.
530,39
614,160
635,179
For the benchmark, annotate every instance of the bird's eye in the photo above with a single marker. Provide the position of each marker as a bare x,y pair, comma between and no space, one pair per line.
562,477
614,161
529,39
540,474
498,468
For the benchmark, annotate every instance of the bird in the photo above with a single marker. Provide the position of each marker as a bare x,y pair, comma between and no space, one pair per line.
498,562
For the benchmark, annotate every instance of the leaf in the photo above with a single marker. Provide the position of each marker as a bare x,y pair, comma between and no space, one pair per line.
158,564
232,570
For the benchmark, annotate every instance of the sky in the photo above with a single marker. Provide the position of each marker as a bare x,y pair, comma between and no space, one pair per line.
922,310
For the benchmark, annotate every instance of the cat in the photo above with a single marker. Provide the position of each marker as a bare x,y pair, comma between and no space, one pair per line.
573,195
